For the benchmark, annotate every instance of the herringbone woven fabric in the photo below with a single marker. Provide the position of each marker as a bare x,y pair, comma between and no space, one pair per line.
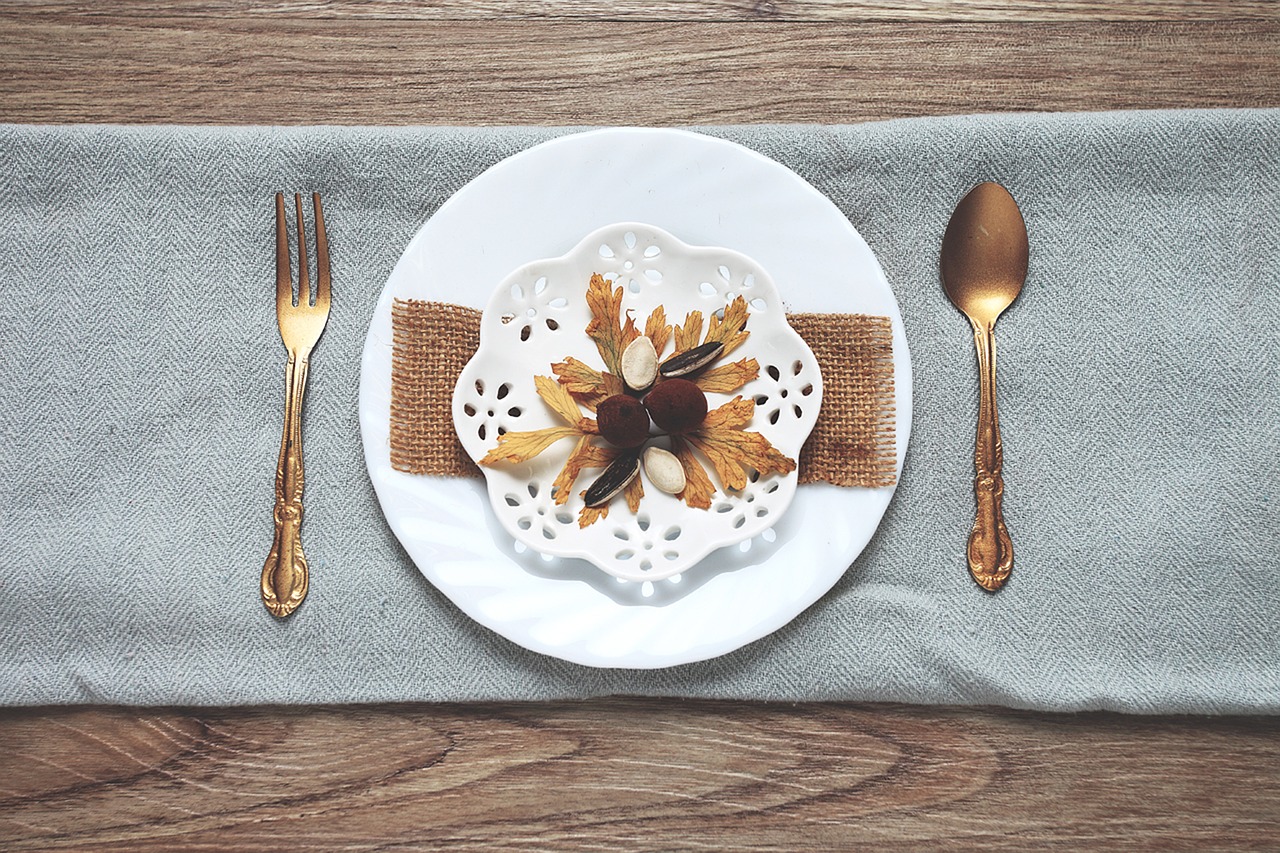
1139,395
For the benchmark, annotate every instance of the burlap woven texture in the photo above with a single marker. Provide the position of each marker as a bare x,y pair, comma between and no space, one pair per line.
852,444
142,388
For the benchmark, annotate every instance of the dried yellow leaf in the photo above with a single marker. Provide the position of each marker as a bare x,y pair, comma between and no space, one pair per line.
606,327
733,451
728,378
634,494
587,385
657,329
731,415
578,377
688,336
523,446
729,329
591,514
558,398
584,455
697,485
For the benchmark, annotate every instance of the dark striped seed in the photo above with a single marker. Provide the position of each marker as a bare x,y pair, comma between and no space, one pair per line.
691,360
615,478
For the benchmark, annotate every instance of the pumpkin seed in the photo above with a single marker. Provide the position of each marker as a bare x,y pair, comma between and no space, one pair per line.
664,470
639,364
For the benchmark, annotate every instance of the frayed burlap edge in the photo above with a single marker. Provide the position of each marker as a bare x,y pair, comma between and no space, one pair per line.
852,443
431,343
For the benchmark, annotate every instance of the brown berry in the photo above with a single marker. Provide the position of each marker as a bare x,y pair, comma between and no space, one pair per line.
623,421
676,405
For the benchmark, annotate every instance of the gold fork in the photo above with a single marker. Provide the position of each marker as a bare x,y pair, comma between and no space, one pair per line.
284,577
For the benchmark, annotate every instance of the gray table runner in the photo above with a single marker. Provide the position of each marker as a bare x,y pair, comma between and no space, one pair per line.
141,395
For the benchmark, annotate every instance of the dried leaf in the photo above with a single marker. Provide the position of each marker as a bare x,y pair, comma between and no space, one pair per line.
613,384
634,493
697,485
558,398
588,385
734,414
688,335
591,514
733,451
657,329
523,446
730,330
728,378
584,455
578,377
611,335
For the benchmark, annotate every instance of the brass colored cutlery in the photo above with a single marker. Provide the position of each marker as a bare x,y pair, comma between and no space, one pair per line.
984,264
284,577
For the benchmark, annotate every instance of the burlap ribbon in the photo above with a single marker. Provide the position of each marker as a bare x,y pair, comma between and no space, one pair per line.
852,443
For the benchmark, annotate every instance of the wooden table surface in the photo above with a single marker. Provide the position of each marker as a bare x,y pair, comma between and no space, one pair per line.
658,774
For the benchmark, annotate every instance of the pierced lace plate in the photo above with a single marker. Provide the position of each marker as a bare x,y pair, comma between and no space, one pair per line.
538,316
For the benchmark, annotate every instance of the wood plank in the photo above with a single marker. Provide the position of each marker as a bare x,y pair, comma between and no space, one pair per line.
621,772
264,70
680,10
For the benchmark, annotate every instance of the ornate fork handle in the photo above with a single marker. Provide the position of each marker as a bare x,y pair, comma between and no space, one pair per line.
284,576
990,549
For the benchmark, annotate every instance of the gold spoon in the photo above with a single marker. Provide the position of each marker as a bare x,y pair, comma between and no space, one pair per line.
984,263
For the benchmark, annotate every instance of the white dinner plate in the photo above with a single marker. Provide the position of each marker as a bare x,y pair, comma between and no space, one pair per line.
540,204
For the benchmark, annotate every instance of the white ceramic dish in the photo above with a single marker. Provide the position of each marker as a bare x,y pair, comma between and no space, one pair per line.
539,204
538,316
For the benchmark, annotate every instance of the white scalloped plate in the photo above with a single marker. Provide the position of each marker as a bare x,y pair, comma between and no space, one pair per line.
539,204
538,315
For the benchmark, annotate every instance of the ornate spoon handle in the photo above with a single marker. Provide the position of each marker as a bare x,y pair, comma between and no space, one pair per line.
284,576
990,549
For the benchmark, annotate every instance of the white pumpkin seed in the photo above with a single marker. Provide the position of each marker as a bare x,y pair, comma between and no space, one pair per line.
664,470
639,364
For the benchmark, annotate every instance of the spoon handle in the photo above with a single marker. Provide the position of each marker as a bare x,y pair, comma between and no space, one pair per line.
990,550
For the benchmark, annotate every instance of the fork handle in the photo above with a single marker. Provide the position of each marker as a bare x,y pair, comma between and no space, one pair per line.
284,576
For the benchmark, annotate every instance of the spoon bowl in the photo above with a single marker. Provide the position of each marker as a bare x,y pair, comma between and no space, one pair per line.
984,253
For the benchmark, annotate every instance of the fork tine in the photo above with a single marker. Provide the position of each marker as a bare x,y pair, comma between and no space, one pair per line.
322,256
304,278
284,277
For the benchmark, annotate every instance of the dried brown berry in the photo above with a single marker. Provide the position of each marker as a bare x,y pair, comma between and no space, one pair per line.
623,421
676,405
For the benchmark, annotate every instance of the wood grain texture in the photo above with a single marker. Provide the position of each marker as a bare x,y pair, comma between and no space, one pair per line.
266,71
621,773
652,774
683,10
